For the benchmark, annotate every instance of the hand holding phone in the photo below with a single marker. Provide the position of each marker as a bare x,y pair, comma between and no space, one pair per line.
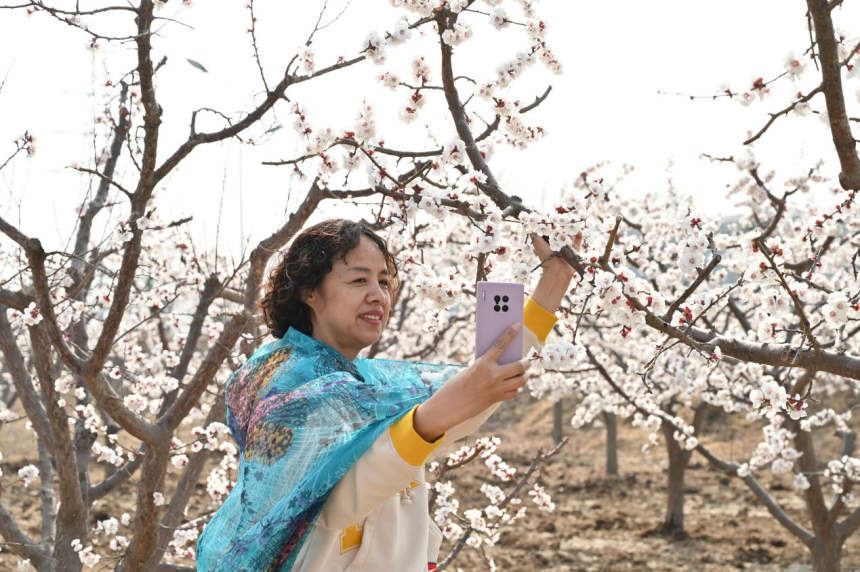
499,305
498,372
470,391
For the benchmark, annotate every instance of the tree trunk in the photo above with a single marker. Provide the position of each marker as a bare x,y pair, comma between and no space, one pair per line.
679,459
146,523
673,524
557,413
827,552
64,558
611,444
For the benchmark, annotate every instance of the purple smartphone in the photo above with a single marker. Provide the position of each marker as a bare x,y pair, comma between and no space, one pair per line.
500,304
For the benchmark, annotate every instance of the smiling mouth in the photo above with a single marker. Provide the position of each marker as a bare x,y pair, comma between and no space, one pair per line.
375,320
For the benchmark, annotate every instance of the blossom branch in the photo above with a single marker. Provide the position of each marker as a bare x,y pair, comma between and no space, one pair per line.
804,320
778,114
273,96
350,141
773,508
239,323
765,354
702,277
538,459
23,144
253,31
175,512
491,188
781,205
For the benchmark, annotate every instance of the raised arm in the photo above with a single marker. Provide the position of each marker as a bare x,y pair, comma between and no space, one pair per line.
397,455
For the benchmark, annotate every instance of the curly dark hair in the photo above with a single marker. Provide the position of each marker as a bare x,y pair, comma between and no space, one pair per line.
304,265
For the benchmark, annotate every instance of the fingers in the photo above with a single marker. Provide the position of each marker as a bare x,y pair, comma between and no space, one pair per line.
519,367
541,247
512,386
543,250
510,395
502,342
516,379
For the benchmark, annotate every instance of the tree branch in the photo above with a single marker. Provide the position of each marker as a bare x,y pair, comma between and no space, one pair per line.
778,114
240,322
458,113
72,513
199,138
831,73
850,525
20,543
15,300
172,517
728,468
13,360
703,275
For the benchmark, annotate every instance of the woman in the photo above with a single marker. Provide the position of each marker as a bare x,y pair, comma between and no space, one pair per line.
333,445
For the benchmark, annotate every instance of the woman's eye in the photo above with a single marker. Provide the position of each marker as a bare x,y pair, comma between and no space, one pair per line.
383,282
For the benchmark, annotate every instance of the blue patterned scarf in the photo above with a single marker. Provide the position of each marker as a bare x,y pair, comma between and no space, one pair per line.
302,415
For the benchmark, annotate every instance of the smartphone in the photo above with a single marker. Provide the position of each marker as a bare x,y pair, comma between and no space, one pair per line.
499,305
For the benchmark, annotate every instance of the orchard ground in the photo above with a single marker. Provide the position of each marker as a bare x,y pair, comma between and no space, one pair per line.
600,523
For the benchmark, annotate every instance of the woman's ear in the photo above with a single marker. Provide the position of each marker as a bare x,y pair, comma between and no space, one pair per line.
307,296
312,298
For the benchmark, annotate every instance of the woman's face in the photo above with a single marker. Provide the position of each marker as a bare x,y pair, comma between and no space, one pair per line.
350,308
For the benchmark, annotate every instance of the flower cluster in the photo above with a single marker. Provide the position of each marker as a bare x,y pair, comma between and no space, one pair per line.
541,498
771,398
457,34
28,474
838,470
31,316
307,57
87,554
503,510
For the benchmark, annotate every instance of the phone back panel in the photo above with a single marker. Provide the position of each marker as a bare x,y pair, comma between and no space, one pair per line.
499,304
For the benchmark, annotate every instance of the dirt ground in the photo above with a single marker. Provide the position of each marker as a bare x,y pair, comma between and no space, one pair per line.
600,524
604,524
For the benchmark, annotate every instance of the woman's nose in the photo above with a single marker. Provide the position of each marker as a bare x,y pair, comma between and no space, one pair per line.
377,293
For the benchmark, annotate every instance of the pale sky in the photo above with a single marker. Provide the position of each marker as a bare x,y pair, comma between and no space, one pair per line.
617,54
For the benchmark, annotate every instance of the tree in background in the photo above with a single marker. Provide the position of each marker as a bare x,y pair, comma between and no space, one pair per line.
668,311
118,349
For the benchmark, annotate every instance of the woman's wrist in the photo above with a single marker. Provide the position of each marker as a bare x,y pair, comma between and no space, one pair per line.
551,289
436,416
427,422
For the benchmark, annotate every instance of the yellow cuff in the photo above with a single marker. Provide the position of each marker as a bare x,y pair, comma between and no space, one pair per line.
538,319
411,447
